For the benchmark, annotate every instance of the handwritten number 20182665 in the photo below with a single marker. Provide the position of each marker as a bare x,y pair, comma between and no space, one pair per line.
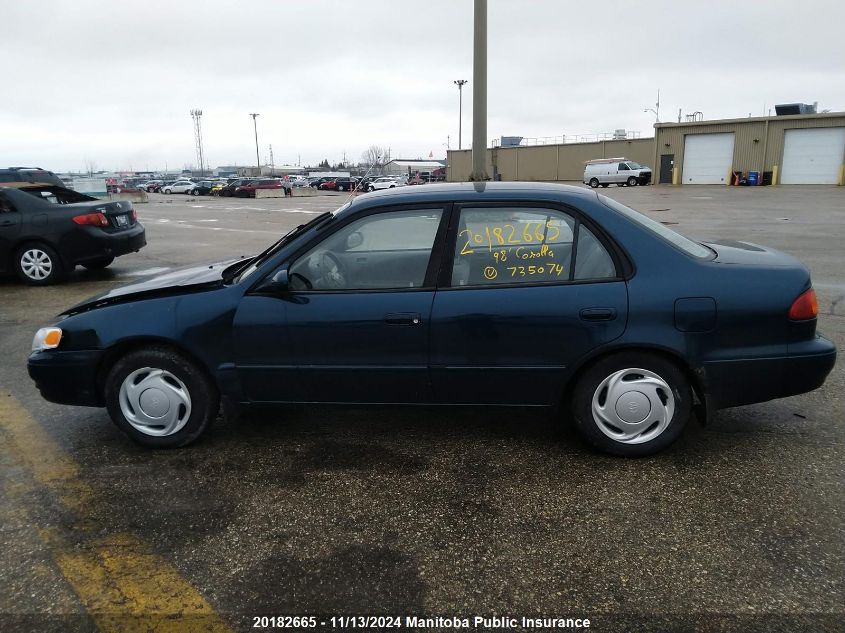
507,234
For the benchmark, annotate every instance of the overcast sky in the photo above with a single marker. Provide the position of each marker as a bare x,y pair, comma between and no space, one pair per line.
113,82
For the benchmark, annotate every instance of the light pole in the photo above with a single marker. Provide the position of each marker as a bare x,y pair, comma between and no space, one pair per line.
479,93
656,108
460,84
254,115
195,115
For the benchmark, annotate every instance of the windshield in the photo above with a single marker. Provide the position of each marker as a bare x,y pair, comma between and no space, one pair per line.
634,165
673,237
252,265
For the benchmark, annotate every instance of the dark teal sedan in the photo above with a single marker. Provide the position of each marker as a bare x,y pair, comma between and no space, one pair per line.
505,294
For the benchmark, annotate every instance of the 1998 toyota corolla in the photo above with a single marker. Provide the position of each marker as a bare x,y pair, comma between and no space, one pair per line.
497,294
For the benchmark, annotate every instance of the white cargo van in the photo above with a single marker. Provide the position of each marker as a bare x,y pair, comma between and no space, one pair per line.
620,171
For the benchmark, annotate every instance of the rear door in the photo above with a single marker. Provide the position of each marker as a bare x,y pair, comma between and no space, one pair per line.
526,290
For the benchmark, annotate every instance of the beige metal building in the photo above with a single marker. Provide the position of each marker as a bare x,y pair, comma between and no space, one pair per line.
548,162
796,149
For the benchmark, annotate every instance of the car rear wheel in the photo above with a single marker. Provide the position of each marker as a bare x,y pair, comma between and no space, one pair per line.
38,265
604,184
594,183
632,182
159,398
632,404
195,192
98,264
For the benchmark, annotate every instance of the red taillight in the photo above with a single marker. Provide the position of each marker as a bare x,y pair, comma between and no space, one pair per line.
805,307
133,214
92,219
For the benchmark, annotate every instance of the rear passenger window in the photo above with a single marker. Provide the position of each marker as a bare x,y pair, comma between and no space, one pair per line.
512,245
525,246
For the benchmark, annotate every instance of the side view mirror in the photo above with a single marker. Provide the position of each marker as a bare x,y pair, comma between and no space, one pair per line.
354,240
278,283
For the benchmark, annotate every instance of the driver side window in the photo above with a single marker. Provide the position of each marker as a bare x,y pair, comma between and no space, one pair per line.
382,251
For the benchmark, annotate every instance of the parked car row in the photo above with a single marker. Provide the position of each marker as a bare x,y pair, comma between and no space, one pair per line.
246,187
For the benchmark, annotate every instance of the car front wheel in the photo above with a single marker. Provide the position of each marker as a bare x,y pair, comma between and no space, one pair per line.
168,191
632,404
38,265
594,183
632,182
159,398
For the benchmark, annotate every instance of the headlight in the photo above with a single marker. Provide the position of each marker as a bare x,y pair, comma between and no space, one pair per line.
46,338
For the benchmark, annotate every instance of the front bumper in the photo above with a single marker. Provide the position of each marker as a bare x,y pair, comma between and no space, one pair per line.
68,377
732,383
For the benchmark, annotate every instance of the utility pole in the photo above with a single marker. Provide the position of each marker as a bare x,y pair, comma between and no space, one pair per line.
272,163
460,84
479,94
254,115
195,115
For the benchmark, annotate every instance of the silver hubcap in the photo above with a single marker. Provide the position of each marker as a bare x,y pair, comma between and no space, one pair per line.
154,401
633,406
36,264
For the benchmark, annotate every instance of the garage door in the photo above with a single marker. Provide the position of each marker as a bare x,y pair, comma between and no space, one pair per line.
708,158
813,156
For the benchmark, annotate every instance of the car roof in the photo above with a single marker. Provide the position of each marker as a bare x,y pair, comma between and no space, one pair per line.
472,191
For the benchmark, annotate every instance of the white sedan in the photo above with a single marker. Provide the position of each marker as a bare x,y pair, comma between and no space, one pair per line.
385,182
180,186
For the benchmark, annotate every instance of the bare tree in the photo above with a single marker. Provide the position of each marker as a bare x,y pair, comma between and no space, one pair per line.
376,156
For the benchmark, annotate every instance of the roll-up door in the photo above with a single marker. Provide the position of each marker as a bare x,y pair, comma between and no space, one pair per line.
813,156
708,158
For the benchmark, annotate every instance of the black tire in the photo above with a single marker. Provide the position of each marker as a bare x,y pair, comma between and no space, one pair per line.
99,264
168,191
195,192
594,183
592,378
205,400
632,181
28,255
371,188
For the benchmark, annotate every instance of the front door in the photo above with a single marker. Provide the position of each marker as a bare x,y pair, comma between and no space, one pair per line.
667,163
354,324
515,313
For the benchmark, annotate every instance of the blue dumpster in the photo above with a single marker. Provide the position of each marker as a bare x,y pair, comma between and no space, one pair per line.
753,178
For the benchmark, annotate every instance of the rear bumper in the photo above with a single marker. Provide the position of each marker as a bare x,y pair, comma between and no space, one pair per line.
745,381
92,244
67,377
